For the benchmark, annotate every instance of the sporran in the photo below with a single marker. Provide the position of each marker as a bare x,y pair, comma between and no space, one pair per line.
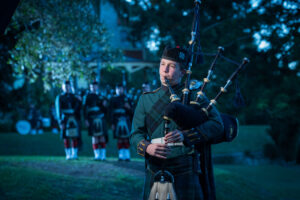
71,127
163,186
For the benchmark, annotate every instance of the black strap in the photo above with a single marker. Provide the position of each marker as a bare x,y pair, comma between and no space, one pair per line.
155,117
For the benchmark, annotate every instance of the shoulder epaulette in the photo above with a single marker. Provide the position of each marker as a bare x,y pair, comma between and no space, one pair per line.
154,91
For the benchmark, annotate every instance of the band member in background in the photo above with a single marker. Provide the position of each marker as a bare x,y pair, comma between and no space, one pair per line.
68,115
176,151
136,96
146,87
121,115
94,109
35,119
130,94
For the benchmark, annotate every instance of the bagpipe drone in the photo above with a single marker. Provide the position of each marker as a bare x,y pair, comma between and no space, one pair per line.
187,113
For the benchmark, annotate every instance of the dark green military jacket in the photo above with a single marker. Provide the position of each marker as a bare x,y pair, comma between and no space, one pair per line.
148,124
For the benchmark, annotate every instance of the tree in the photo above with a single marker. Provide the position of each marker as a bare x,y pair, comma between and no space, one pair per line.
69,35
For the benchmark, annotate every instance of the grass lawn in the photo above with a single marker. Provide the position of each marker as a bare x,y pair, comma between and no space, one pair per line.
55,178
257,182
42,177
34,167
250,139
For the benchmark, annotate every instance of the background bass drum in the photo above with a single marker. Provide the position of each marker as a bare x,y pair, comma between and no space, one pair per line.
23,127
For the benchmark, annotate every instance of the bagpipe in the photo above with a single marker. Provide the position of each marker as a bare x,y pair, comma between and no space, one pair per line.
187,113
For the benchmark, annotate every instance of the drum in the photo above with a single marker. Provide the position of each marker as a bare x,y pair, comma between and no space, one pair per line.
71,127
23,127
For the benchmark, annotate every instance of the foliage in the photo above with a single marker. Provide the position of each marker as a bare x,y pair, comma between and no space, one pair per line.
239,26
285,127
67,35
7,94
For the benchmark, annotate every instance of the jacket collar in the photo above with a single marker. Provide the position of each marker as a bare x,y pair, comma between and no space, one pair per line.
177,88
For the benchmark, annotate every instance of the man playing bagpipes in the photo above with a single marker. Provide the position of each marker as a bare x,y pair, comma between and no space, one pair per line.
121,115
176,151
94,109
68,115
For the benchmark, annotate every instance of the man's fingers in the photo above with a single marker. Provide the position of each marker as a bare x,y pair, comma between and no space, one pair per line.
160,146
173,140
164,151
159,156
163,148
161,153
170,134
173,137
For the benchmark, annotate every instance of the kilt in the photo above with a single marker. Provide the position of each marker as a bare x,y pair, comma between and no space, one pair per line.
186,177
78,129
122,128
90,128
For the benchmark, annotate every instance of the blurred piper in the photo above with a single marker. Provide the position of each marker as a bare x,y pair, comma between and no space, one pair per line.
94,109
146,87
68,115
121,116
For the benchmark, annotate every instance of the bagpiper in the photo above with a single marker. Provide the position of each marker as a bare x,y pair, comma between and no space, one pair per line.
94,109
68,115
121,115
172,152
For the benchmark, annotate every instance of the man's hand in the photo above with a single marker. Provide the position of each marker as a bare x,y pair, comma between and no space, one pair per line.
158,150
174,136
